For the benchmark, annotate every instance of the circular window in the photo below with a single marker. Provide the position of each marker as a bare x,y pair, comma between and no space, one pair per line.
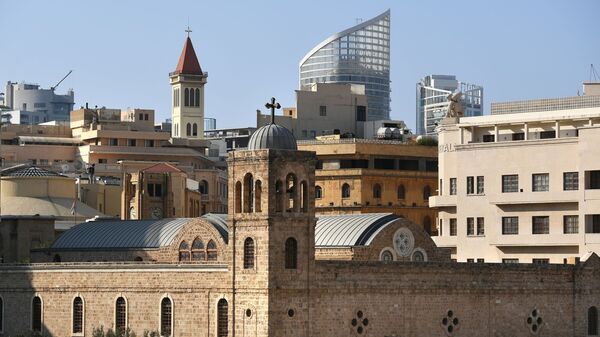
404,241
534,321
248,313
291,312
450,323
418,256
387,256
359,322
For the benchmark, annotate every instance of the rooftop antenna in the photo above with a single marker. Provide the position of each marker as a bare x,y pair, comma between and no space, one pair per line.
59,82
594,74
188,30
358,20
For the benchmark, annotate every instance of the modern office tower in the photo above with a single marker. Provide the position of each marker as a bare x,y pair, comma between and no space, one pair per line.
432,103
358,55
42,104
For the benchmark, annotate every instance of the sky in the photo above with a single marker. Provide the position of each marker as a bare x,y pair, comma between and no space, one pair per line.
121,52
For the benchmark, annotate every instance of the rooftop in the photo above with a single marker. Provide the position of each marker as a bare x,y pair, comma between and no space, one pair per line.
188,61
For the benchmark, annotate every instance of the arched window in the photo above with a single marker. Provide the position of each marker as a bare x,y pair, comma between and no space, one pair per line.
203,187
77,315
186,97
197,97
426,192
192,95
291,253
198,253
278,196
222,318
120,314
195,130
303,197
345,191
166,317
377,191
36,314
184,251
318,192
138,259
427,224
401,192
257,196
248,253
248,195
292,193
211,250
238,197
593,321
387,256
188,129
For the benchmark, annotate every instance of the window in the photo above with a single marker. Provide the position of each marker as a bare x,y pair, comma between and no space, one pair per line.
452,186
452,227
408,165
345,191
155,190
313,133
547,134
102,160
540,225
510,183
470,226
540,261
480,185
441,229
488,138
510,225
480,260
1,300
571,181
592,180
361,113
198,253
77,315
592,321
427,224
431,165
323,110
149,143
36,314
197,97
113,142
383,164
184,251
426,193
540,182
120,314
166,317
592,223
188,129
222,318
195,129
518,136
203,187
248,253
480,226
318,192
291,253
211,251
386,256
571,224
470,185
401,193
377,191
186,96
510,260
131,142
470,260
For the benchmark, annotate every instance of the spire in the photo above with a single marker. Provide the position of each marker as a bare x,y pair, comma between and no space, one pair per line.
188,62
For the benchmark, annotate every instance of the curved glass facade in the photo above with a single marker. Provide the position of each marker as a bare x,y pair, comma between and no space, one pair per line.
358,55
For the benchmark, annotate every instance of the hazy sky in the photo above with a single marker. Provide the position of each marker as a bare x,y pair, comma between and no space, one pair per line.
121,52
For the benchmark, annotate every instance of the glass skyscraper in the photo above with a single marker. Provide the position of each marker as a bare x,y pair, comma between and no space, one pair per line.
358,55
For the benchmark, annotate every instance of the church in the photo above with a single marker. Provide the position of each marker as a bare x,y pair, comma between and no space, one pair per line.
271,268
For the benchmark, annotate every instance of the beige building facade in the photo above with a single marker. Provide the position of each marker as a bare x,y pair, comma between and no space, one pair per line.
520,187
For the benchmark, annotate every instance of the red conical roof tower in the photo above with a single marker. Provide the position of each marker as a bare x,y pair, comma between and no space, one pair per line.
188,62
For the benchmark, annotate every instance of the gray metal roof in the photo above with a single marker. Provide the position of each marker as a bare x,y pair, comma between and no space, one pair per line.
219,221
121,234
350,230
272,136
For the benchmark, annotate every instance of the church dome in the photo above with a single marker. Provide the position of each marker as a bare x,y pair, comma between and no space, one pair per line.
272,136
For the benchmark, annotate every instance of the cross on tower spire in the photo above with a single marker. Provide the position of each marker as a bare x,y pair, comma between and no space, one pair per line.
188,30
273,106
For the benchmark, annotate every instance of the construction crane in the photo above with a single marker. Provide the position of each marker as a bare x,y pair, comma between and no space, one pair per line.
59,82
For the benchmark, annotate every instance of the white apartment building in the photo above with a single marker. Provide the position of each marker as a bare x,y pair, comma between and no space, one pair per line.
522,187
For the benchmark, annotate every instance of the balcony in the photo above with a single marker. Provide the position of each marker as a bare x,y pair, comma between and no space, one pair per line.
154,151
522,198
540,240
442,201
445,241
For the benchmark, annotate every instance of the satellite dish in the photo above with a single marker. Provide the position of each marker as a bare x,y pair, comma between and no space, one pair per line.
78,165
64,168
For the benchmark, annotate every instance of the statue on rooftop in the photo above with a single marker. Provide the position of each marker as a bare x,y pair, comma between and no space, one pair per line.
455,108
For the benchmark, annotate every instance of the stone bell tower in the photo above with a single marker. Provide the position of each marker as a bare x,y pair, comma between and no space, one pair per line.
271,202
187,89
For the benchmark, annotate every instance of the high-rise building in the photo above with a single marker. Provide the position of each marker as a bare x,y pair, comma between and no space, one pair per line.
358,55
432,103
42,105
187,82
